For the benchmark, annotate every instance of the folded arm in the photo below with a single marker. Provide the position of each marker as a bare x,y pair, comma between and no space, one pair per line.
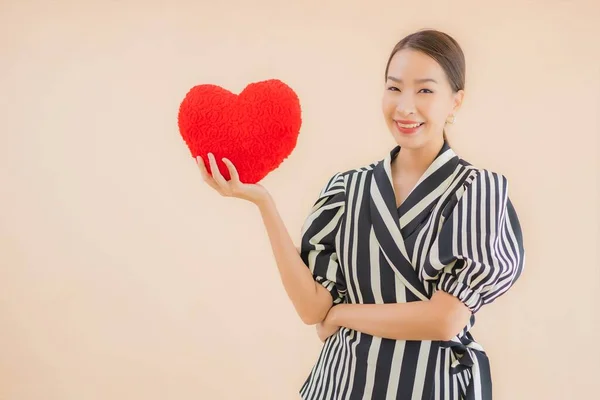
440,318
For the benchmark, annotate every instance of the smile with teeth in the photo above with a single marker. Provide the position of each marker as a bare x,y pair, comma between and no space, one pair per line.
410,126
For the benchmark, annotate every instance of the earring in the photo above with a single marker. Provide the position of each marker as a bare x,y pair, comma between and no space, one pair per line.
452,120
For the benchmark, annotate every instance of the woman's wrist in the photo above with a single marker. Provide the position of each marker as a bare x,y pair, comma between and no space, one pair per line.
264,202
332,317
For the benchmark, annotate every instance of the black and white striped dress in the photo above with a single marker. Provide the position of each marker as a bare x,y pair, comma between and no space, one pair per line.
457,231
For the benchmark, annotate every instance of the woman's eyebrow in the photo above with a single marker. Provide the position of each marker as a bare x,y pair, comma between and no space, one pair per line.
423,80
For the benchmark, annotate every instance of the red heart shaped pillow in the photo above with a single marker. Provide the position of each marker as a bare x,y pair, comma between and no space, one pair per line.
257,129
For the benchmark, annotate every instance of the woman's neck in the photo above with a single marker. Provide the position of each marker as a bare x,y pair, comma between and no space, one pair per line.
414,162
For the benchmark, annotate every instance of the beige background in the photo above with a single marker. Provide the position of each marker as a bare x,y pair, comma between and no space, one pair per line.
122,276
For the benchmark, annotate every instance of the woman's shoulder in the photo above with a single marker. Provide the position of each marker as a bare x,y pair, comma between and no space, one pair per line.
480,182
474,174
358,170
336,183
342,174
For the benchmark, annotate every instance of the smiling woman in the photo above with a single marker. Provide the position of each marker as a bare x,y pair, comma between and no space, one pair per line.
436,92
411,247
397,257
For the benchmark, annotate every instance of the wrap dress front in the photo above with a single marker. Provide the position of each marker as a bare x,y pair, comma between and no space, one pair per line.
457,231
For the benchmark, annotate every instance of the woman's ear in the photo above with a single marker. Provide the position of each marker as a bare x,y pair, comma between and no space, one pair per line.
457,100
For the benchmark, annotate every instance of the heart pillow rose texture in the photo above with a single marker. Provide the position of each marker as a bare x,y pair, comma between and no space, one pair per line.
257,129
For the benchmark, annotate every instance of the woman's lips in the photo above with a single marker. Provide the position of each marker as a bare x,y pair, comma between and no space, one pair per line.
409,127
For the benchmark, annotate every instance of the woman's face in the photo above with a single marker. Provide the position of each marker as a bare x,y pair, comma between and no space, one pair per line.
417,91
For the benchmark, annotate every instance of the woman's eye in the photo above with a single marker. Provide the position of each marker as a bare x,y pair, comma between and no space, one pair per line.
395,89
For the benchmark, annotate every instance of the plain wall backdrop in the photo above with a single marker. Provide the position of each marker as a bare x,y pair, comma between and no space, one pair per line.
123,276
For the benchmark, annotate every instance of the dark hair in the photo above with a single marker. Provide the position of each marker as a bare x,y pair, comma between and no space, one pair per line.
442,48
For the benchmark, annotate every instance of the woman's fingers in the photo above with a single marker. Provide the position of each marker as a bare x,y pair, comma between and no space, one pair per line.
205,175
235,177
231,188
216,173
202,168
322,333
325,330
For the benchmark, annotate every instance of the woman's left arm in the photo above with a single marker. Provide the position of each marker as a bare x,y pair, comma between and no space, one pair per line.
440,318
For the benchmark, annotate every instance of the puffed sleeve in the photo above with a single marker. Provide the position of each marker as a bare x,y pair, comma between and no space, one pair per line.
479,252
319,234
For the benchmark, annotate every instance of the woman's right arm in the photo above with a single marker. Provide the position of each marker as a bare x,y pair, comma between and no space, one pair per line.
310,299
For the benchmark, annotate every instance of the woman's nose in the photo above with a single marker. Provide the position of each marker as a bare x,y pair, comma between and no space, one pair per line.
405,106
405,110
